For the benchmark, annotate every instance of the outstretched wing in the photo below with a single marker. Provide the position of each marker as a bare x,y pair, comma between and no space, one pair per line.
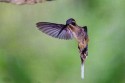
55,30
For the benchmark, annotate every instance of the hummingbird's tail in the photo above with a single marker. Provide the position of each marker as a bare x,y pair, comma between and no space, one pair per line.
83,56
82,70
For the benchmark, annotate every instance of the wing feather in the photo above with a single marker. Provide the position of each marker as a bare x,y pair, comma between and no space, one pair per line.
54,30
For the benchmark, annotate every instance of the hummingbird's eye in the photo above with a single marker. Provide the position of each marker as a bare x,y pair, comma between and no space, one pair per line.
73,23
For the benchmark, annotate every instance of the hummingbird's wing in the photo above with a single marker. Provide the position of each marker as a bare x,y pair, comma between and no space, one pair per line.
86,33
85,28
55,30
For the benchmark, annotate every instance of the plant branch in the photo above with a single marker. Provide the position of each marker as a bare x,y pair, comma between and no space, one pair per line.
24,1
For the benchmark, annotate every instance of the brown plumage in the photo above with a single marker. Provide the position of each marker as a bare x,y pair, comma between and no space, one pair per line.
81,36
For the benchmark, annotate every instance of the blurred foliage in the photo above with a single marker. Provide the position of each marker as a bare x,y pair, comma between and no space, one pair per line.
29,56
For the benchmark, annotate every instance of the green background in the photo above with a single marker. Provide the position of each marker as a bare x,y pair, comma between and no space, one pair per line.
29,56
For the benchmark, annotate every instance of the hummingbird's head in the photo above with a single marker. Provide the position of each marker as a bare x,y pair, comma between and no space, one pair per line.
71,21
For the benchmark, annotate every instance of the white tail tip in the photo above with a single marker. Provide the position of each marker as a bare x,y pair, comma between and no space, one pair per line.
82,71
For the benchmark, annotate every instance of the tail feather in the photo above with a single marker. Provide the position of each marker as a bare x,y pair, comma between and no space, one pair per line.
83,56
82,71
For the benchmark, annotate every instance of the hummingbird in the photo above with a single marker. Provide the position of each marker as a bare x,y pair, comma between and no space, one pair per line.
68,31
